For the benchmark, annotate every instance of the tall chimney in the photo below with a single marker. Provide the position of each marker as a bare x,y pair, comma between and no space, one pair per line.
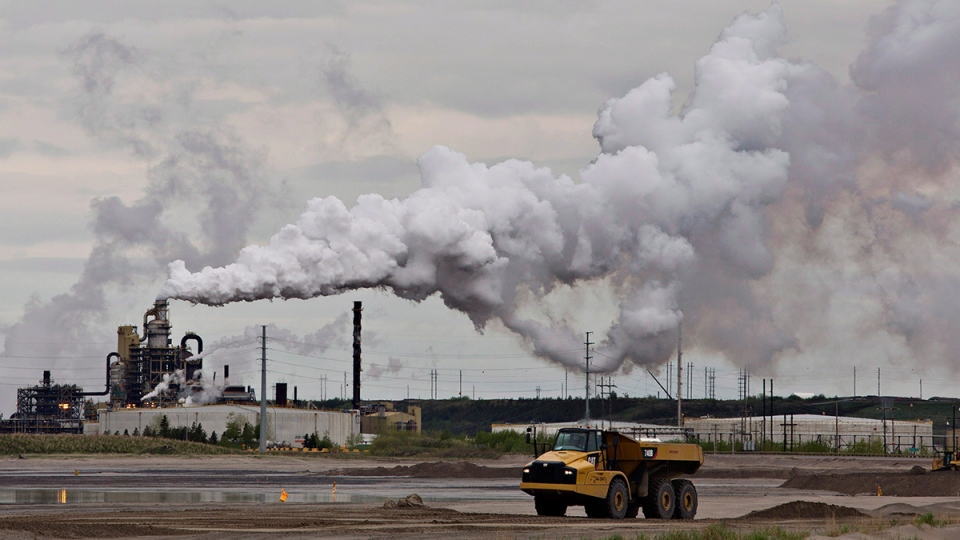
226,373
357,309
46,377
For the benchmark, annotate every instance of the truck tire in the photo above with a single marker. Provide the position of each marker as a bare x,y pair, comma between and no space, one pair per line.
661,500
686,499
549,507
618,499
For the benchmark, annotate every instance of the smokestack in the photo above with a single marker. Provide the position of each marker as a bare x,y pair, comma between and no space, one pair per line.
46,378
295,400
357,309
226,373
281,394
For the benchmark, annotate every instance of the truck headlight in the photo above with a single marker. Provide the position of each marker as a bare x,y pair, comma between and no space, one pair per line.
526,470
567,471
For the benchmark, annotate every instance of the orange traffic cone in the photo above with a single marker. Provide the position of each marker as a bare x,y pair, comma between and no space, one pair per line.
283,495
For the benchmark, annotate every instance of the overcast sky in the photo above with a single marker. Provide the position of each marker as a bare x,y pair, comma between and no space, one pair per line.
340,98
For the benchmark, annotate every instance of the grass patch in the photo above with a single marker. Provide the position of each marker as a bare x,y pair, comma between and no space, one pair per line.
928,519
722,532
21,443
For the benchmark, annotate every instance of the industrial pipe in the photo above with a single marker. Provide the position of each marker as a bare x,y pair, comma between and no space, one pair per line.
107,389
187,337
152,311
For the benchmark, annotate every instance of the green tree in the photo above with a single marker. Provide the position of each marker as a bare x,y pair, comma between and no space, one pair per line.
213,438
248,436
197,433
126,433
164,428
148,432
136,432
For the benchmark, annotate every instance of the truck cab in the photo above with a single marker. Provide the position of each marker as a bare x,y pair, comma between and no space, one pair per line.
613,475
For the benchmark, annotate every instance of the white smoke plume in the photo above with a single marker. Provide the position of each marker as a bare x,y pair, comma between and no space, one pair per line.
177,377
208,390
200,391
770,173
191,162
375,370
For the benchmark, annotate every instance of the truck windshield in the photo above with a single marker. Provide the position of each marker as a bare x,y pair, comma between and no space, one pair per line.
571,440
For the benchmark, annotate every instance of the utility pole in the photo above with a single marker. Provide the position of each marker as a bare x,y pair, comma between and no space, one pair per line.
836,426
263,390
566,386
460,391
586,386
606,389
679,375
770,406
763,414
878,382
854,381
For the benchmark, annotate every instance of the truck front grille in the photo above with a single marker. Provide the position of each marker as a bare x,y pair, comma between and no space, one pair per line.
549,472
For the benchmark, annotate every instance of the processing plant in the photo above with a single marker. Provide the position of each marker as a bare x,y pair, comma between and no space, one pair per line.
143,361
49,408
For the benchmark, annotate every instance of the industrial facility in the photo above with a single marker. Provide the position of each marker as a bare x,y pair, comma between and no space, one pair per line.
149,377
285,426
49,408
144,363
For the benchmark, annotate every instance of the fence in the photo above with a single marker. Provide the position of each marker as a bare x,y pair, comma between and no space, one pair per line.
914,443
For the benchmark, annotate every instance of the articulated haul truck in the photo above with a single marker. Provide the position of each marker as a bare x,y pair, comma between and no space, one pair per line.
613,476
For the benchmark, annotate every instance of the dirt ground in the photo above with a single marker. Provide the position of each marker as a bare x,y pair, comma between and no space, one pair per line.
238,497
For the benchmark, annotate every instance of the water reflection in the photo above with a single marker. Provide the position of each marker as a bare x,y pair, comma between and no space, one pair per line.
30,496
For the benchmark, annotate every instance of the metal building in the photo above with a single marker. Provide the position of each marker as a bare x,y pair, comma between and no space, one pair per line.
284,425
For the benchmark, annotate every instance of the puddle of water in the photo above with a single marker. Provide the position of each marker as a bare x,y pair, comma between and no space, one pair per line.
374,492
29,496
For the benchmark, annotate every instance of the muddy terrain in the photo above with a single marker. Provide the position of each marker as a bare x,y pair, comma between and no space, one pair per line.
240,497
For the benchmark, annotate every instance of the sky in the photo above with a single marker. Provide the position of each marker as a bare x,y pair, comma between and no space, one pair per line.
116,115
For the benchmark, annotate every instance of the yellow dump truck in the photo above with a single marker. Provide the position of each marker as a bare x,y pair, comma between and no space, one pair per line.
613,476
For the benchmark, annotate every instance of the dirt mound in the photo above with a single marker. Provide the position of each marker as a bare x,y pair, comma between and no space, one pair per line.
437,469
805,510
938,484
410,501
742,472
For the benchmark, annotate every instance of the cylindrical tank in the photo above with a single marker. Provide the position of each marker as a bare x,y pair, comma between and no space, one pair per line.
157,330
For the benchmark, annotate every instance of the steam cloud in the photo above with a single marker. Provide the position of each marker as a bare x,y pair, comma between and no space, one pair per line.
757,214
195,162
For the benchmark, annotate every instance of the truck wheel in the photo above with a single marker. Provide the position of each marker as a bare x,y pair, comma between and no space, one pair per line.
661,500
686,499
549,507
618,499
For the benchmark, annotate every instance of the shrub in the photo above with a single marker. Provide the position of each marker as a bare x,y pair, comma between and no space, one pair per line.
21,443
